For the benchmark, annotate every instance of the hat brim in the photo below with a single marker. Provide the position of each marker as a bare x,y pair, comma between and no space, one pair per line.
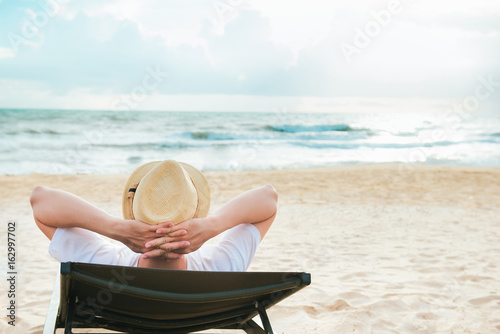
199,181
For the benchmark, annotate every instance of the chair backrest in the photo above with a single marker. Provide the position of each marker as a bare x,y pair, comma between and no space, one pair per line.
130,298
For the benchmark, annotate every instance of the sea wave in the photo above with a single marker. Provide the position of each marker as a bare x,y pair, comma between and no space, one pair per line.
219,136
105,141
31,131
322,144
309,128
208,135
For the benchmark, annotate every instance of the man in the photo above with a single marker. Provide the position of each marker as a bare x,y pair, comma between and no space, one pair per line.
73,226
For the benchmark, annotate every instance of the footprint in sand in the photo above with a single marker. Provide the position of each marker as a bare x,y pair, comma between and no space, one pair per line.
484,300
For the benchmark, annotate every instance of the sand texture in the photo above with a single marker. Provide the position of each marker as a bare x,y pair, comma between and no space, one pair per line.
391,248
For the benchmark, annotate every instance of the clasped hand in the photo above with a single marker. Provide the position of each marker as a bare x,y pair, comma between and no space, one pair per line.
166,240
182,238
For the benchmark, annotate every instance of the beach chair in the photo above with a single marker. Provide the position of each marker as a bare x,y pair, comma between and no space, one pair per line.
141,300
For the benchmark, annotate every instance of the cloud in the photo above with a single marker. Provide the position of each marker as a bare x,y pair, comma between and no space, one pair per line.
261,48
7,53
175,23
77,57
74,57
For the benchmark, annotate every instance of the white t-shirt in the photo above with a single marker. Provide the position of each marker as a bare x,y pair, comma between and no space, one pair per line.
234,252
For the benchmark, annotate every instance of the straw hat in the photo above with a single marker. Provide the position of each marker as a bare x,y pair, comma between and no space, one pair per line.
165,191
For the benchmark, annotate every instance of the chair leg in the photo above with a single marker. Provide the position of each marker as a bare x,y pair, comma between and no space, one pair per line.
51,319
251,327
69,316
264,318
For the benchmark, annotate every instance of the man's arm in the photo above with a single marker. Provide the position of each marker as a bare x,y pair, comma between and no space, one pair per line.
55,208
257,206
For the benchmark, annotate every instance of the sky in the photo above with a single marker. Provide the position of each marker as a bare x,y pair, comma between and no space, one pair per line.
247,55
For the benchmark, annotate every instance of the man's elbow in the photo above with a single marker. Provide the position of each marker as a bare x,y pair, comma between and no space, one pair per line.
37,194
271,193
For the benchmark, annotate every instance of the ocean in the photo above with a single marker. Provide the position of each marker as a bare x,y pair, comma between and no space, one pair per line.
70,142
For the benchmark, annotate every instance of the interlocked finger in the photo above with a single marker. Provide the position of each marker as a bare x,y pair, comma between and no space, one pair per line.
166,251
166,238
163,255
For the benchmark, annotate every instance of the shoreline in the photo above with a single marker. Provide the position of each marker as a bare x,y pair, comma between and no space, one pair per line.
389,250
401,178
392,165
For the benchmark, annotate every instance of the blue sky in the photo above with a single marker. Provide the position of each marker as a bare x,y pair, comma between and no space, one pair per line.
244,55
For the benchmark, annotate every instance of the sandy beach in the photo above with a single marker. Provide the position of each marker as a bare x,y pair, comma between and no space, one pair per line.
391,248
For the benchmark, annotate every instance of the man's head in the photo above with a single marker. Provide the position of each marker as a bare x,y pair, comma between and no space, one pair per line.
162,191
